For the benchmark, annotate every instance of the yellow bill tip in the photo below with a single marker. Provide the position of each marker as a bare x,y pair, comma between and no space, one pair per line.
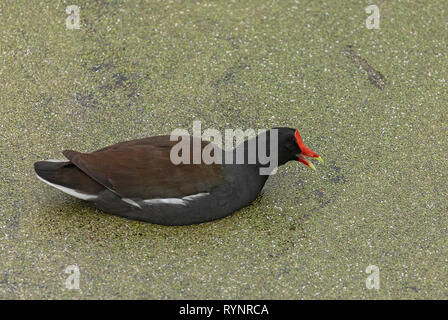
311,166
320,159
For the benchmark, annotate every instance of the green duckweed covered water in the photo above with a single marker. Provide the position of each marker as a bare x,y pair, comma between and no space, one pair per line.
142,68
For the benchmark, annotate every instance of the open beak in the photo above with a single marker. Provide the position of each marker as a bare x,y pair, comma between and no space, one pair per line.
302,158
306,152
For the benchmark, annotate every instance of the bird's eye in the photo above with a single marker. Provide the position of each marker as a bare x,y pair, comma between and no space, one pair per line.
291,145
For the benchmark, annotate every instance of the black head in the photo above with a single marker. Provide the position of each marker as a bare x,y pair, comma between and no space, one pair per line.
291,147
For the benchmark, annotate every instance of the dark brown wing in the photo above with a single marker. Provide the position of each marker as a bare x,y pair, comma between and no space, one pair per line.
143,169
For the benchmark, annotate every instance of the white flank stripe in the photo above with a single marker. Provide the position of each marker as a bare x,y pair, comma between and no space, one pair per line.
83,196
166,201
56,160
131,202
178,201
195,196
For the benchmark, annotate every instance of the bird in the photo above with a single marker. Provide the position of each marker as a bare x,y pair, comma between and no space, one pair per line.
138,180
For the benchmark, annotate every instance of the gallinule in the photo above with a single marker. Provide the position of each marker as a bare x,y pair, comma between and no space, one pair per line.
138,180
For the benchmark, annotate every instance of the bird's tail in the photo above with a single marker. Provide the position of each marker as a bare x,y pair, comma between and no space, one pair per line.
65,176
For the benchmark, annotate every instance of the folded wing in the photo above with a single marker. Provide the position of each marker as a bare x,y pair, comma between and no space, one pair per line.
142,169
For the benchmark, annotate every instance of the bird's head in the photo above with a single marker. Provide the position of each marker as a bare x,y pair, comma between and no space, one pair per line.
291,147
